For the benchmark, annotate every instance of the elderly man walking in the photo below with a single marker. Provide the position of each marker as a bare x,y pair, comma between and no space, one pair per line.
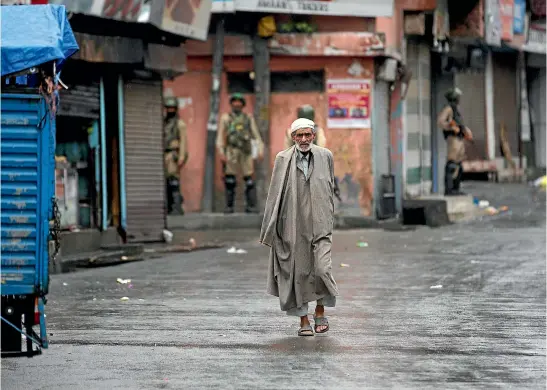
300,237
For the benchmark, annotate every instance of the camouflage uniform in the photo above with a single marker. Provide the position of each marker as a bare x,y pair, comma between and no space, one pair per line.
234,141
175,149
451,122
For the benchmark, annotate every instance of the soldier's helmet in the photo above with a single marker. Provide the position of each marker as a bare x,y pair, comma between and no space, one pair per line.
306,112
170,102
238,96
453,94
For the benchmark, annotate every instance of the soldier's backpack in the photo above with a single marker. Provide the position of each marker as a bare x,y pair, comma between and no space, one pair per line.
239,134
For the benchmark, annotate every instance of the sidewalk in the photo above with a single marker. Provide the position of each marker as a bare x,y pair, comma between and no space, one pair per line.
219,221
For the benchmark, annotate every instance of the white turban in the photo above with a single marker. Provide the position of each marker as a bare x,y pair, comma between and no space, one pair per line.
302,123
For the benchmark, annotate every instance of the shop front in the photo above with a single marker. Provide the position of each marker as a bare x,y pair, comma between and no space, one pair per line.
110,139
78,150
339,84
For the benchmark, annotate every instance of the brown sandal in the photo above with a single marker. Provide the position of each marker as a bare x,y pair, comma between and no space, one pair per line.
321,321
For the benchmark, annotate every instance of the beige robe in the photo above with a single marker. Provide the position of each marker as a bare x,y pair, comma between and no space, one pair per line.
299,236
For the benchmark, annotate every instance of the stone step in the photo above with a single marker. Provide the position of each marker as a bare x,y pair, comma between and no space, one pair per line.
109,255
458,208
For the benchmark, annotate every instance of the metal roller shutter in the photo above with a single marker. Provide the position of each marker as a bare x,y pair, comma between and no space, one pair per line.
473,110
80,101
145,183
506,108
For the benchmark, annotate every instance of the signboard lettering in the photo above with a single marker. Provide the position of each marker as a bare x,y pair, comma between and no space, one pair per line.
363,8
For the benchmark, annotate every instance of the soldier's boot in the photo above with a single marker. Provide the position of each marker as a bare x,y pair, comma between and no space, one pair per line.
230,185
175,196
458,180
450,178
250,195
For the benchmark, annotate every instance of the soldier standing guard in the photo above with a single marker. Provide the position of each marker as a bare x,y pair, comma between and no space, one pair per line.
236,132
454,131
175,155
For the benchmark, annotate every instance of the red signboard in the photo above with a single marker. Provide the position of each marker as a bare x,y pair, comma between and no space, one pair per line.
506,19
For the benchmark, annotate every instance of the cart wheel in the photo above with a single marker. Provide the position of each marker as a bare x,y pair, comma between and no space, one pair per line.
11,338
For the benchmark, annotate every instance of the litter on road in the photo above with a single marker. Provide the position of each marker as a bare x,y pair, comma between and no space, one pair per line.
233,250
362,244
123,281
124,298
436,287
343,265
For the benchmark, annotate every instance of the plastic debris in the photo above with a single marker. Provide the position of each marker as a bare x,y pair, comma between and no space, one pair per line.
492,210
124,299
65,284
541,182
484,204
130,286
503,208
362,244
94,299
167,236
233,250
343,265
123,281
124,258
436,287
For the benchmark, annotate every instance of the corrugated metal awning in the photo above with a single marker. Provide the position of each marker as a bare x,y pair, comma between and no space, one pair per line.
186,18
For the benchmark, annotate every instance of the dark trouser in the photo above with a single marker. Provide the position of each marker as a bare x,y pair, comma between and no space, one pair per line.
174,197
250,193
452,178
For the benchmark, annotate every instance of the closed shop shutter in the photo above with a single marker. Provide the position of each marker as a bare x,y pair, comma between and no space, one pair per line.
473,110
506,107
145,183
537,83
81,100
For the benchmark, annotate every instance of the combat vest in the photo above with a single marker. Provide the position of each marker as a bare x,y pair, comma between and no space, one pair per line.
172,135
238,133
456,116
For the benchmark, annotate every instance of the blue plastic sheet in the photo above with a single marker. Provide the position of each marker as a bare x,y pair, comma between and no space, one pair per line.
33,35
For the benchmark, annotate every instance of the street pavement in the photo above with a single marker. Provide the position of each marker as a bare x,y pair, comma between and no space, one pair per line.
459,307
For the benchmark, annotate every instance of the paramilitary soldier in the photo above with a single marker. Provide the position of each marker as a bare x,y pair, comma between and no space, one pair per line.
175,155
454,130
236,132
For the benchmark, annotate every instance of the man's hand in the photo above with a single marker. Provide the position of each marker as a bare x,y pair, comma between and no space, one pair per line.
468,135
454,126
223,158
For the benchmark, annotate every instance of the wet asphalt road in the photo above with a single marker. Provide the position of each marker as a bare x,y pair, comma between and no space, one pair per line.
203,321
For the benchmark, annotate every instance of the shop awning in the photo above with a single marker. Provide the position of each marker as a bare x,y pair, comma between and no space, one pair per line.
33,35
186,18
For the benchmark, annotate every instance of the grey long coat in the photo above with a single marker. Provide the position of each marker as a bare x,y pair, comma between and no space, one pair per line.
300,271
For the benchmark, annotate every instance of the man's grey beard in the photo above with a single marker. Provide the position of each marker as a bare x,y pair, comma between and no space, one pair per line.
303,150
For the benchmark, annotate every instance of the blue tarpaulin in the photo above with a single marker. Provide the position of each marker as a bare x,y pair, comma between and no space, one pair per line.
33,35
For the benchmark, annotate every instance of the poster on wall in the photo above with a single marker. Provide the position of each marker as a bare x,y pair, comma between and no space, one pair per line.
349,103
